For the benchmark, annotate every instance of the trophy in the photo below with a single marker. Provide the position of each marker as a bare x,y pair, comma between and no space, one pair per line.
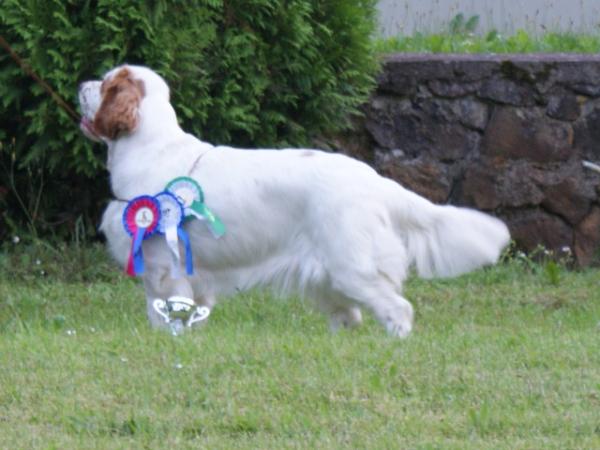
180,313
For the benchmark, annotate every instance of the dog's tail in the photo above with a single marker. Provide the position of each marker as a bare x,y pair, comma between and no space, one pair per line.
445,241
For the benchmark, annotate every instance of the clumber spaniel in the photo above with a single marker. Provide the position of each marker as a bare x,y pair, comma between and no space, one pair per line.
322,225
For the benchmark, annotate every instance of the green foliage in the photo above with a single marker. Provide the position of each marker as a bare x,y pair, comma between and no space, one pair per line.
458,25
546,264
242,72
460,37
40,260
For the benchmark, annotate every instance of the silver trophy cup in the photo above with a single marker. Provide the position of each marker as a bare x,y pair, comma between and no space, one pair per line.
180,313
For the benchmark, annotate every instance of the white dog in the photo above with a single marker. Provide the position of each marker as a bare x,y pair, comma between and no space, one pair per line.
322,225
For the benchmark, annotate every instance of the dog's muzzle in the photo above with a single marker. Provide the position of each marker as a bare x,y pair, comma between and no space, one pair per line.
89,103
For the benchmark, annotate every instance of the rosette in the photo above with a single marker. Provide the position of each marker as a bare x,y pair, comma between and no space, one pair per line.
190,195
170,224
140,219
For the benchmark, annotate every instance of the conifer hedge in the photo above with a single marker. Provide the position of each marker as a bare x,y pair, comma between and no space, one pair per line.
242,72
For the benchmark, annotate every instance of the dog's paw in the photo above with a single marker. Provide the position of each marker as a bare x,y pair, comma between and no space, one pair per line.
345,318
399,321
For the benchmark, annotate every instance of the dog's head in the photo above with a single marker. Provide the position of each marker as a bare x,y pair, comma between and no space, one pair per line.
110,108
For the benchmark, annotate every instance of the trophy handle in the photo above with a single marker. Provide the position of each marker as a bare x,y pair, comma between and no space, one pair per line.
201,313
160,306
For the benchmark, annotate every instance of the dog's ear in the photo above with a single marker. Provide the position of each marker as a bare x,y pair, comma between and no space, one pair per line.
118,112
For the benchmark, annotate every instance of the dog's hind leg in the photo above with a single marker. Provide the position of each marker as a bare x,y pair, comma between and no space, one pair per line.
342,312
203,294
345,317
392,310
371,275
396,315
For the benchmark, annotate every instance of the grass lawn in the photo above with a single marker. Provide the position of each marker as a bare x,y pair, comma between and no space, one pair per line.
507,358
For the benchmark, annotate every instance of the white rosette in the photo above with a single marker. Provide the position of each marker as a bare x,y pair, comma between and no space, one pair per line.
170,221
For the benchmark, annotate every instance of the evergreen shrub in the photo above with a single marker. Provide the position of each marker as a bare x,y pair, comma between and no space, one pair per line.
242,72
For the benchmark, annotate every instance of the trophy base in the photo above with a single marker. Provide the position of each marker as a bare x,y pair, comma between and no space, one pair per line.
180,313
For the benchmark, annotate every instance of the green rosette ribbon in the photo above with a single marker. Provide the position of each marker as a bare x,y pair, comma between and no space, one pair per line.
190,194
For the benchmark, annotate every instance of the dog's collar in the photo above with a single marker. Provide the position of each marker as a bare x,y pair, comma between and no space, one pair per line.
189,174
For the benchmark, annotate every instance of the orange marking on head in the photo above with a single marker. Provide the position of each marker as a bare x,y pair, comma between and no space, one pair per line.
121,97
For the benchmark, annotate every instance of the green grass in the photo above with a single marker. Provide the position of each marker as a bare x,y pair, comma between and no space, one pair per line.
506,358
493,42
460,37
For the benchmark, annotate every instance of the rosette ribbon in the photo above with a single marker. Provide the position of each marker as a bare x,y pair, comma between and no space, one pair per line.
170,224
140,219
190,195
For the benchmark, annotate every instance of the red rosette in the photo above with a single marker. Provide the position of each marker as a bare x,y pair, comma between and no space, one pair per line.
142,212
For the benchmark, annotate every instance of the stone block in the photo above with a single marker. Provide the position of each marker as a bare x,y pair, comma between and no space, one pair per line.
532,228
505,91
587,238
570,198
563,107
425,177
587,132
453,89
518,133
490,187
425,128
479,188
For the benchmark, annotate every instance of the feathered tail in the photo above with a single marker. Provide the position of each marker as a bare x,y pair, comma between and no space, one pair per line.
445,241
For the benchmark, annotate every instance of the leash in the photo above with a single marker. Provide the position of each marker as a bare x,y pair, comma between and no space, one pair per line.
25,67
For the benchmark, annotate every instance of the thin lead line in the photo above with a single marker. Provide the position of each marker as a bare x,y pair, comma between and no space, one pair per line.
29,71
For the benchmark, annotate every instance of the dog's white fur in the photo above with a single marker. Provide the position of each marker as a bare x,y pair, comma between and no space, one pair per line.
323,225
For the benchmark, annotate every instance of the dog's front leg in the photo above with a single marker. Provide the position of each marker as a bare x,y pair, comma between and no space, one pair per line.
159,284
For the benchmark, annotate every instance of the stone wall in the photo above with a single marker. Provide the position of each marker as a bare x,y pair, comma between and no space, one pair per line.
504,134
